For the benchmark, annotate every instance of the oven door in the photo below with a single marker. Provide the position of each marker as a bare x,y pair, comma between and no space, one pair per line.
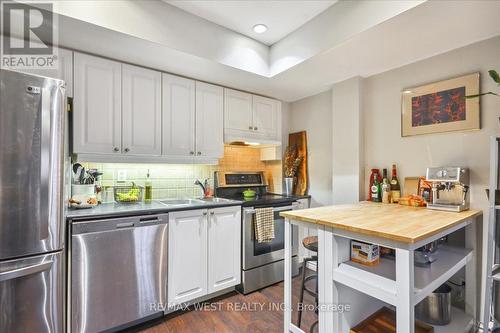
257,254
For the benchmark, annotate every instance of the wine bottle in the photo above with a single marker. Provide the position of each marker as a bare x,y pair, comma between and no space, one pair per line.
376,189
386,188
395,187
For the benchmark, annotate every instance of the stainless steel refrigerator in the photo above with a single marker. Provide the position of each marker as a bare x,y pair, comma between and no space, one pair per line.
31,203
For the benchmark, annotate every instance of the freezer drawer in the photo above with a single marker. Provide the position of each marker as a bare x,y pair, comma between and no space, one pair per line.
118,272
31,294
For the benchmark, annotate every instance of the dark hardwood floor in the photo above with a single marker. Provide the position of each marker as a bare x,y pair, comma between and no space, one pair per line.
234,313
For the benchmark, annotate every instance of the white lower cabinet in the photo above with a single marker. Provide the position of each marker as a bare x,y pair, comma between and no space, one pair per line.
224,243
204,252
187,251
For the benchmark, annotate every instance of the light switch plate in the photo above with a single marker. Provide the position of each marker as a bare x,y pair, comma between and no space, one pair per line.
122,175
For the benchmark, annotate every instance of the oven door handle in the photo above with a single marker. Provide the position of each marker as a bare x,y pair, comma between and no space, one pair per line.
278,209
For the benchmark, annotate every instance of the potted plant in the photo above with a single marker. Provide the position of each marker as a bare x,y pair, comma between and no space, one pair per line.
496,78
494,75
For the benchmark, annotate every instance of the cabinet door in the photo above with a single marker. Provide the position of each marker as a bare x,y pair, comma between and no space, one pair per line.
96,105
224,248
266,112
65,70
178,116
209,120
187,256
141,105
238,111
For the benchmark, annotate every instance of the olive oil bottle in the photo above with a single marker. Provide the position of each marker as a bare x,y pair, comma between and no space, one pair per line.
148,195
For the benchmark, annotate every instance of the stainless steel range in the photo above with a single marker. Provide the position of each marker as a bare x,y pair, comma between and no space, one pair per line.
262,263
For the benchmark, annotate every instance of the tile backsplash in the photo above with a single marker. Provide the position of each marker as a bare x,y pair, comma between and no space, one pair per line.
177,180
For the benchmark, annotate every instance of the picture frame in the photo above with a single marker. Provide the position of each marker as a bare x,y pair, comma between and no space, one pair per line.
441,106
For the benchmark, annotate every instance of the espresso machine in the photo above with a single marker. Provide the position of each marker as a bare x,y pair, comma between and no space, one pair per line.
450,187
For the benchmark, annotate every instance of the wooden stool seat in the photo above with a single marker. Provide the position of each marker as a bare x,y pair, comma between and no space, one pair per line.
311,243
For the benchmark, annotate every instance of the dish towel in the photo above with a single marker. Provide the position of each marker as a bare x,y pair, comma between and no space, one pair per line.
264,225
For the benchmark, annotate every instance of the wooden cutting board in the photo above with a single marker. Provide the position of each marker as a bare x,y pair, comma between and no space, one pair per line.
384,321
299,140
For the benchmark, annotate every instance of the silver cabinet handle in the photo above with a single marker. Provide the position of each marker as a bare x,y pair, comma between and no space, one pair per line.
255,128
204,213
278,209
116,149
191,153
29,270
199,153
250,127
212,213
151,220
124,225
126,150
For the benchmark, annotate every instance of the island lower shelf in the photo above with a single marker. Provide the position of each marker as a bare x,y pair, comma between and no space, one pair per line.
460,322
380,281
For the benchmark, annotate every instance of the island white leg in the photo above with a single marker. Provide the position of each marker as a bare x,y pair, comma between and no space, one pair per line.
325,280
288,277
471,288
405,311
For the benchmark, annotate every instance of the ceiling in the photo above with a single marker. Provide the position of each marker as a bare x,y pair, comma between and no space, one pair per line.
348,39
281,17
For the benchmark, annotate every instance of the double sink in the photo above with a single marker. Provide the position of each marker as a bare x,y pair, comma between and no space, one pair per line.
194,202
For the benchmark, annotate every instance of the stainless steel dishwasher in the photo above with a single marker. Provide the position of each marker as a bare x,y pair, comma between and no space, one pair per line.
118,272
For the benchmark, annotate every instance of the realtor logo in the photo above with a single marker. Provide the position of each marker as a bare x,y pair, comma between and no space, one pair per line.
28,35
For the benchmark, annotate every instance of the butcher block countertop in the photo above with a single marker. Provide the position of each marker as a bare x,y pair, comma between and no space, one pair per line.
390,221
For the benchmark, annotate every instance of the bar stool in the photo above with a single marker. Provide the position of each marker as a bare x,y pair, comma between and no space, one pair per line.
310,243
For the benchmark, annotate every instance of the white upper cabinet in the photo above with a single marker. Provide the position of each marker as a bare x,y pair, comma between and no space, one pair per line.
266,114
96,105
209,120
141,111
250,117
224,248
178,116
187,256
237,111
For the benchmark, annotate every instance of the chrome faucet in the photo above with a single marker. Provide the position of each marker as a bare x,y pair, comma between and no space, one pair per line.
203,188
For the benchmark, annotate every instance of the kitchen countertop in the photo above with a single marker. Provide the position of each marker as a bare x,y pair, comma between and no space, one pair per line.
394,222
139,208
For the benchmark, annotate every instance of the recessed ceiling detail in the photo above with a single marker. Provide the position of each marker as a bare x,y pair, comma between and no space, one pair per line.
350,38
281,17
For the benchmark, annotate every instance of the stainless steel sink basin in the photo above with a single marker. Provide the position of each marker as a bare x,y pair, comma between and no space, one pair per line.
216,200
182,202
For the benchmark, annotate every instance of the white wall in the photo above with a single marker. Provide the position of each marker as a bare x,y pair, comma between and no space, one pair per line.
382,102
313,114
347,144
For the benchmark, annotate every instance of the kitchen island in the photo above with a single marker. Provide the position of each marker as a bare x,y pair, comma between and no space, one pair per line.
395,283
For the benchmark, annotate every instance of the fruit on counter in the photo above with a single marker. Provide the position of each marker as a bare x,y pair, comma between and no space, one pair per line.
92,201
74,201
412,200
130,196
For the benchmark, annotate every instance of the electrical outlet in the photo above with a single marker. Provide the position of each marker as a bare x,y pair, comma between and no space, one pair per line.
122,175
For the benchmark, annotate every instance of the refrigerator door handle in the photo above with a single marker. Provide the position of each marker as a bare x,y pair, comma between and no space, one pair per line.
45,163
28,270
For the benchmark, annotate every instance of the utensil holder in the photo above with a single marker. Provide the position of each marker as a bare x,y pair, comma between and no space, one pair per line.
435,309
288,186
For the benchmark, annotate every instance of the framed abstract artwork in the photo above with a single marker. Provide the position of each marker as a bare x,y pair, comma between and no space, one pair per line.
441,106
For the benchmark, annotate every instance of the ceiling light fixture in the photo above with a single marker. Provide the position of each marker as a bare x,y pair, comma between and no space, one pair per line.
260,28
